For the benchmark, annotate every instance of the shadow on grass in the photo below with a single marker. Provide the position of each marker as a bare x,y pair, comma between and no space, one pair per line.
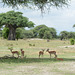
32,60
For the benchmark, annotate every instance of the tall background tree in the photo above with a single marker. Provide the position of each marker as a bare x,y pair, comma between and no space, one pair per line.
37,29
71,35
14,20
42,31
63,35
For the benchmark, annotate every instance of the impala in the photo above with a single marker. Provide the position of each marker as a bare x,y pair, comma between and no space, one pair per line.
60,59
14,52
51,52
41,52
22,52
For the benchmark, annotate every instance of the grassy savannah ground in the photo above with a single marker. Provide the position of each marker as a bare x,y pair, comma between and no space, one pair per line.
31,64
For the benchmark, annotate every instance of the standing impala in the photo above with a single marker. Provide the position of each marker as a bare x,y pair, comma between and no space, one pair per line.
14,52
22,52
41,52
51,52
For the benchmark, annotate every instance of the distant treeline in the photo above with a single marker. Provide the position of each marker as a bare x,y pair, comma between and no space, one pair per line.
41,31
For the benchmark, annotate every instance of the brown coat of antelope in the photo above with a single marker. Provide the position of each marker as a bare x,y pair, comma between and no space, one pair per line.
51,52
61,59
14,52
41,52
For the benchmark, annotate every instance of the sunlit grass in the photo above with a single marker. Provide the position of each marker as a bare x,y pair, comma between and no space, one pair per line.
31,64
32,51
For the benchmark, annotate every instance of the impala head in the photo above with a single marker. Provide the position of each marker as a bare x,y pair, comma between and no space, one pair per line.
47,50
21,49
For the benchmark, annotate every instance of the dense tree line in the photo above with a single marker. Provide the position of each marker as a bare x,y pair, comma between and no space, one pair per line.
66,35
40,31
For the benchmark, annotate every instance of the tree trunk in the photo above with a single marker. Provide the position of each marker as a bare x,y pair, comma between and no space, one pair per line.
12,33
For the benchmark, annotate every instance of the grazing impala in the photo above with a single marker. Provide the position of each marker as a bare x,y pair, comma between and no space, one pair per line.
51,52
14,52
41,52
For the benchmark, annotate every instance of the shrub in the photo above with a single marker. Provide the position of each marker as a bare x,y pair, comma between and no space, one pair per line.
72,41
30,44
33,44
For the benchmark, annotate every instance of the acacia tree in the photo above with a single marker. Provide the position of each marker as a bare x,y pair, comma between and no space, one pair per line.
63,35
40,4
71,35
14,20
47,33
37,29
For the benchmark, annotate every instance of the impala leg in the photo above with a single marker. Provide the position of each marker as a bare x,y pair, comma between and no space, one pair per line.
23,54
55,56
18,55
50,55
39,56
13,55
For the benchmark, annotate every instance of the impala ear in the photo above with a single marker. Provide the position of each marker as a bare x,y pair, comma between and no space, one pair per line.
48,49
21,49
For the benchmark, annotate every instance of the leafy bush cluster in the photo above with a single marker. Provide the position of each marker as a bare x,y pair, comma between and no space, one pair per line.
41,31
72,41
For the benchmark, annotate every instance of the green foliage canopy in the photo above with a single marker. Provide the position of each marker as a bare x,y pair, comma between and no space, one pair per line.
20,33
45,32
37,29
47,35
5,32
64,35
14,20
67,35
71,35
40,4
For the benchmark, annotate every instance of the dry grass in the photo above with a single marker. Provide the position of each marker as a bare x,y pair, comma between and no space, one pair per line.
56,45
34,65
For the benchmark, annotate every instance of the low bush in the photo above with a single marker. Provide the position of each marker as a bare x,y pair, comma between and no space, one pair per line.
72,41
